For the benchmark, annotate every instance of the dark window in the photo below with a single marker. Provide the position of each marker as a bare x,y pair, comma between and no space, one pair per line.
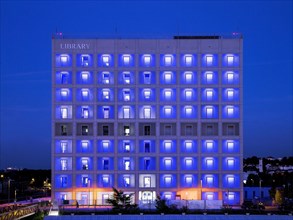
147,147
64,78
147,164
210,130
84,130
126,130
168,130
63,130
147,130
105,130
231,130
85,181
106,164
188,130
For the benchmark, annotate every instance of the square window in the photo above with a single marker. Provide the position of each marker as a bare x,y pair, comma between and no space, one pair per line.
106,112
85,93
167,77
210,180
126,59
126,181
147,181
168,60
168,163
230,77
209,162
147,60
188,60
106,60
188,180
230,162
230,179
168,180
147,77
84,76
147,147
230,94
64,112
126,95
230,145
188,162
106,77
188,77
209,77
84,144
168,111
147,112
231,196
188,145
106,179
147,130
105,130
230,111
210,196
85,164
230,60
126,130
64,145
126,147
209,94
64,58
85,112
168,196
64,92
188,111
167,93
209,112
209,145
106,94
168,145
126,164
85,60
63,164
188,94
126,77
209,60
105,145
147,93
126,112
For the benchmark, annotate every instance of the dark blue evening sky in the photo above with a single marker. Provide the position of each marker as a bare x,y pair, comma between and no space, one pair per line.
27,27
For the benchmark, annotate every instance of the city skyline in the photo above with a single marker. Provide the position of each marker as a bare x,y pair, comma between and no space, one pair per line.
26,30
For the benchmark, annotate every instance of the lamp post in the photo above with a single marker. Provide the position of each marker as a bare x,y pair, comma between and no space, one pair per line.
15,195
8,190
260,189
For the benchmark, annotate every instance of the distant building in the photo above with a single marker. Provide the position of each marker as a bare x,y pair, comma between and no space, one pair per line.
148,116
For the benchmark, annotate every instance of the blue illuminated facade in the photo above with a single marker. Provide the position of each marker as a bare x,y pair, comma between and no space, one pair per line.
148,116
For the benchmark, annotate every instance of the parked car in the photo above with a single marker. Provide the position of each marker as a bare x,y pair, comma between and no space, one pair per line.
249,205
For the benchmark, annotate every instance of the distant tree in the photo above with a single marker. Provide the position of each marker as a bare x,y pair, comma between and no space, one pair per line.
161,205
121,202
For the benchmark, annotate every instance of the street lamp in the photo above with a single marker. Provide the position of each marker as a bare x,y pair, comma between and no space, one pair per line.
260,189
15,195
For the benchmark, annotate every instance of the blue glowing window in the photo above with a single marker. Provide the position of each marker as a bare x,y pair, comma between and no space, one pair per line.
85,59
168,60
167,76
209,112
106,60
126,180
209,60
168,163
188,60
188,145
126,77
188,180
106,77
126,59
106,164
126,164
106,180
64,58
188,77
147,93
63,181
106,112
167,180
231,180
147,77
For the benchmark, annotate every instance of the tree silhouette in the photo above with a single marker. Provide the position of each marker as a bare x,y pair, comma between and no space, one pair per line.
121,202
